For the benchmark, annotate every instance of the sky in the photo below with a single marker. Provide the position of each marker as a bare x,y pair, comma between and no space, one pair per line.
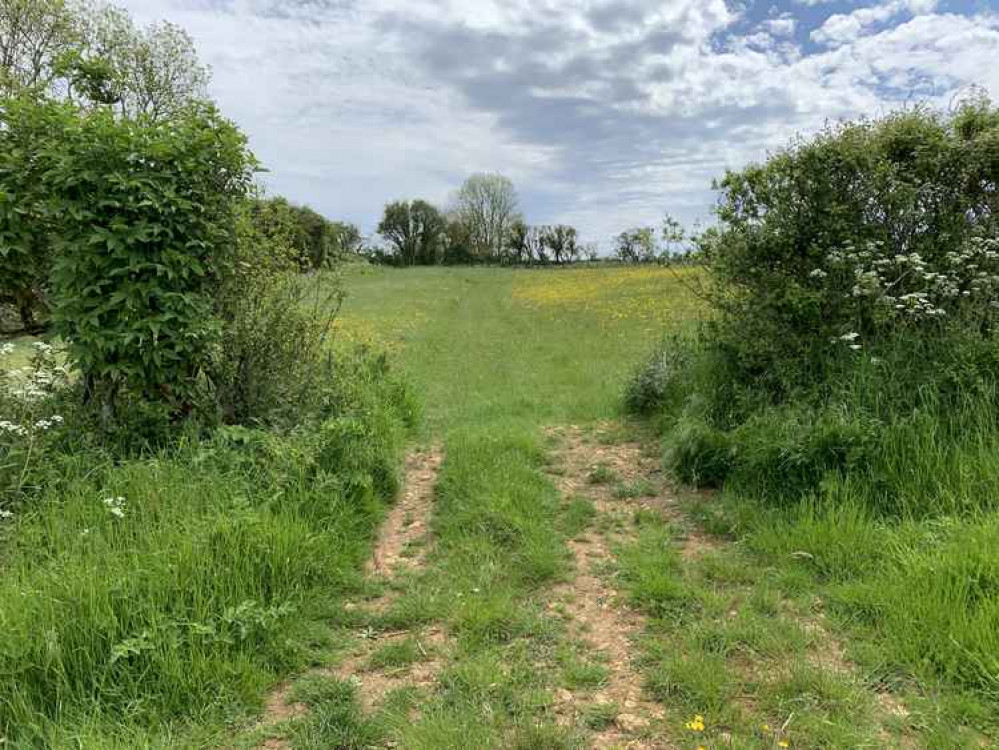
606,114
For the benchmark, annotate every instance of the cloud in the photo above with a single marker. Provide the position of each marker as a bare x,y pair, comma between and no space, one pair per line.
781,26
605,113
846,27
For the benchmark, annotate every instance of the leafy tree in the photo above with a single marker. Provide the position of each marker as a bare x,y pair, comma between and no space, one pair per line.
636,245
415,230
523,243
94,55
561,241
153,71
315,240
457,242
33,35
487,206
346,238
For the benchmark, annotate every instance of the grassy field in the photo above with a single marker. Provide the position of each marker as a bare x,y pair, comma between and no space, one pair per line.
585,599
558,590
529,346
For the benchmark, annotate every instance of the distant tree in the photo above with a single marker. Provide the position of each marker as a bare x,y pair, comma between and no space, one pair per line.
457,242
346,238
524,244
416,231
561,241
487,206
673,235
636,245
315,240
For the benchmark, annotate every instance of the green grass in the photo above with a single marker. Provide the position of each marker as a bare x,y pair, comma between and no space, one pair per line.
129,636
490,345
155,627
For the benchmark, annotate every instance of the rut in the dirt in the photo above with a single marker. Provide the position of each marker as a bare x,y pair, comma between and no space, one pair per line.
400,548
595,613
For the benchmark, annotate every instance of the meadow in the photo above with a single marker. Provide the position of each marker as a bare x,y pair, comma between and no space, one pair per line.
535,347
755,632
567,593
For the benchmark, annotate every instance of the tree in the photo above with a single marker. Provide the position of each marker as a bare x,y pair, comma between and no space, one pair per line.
673,236
561,240
33,35
153,71
346,238
415,230
94,55
487,205
636,245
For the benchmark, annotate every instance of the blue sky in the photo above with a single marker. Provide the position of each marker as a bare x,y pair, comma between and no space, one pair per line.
605,113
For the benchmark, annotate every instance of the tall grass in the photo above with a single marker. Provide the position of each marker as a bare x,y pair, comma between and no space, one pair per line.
186,601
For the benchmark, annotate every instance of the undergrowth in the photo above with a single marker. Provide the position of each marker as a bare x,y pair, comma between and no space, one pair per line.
149,594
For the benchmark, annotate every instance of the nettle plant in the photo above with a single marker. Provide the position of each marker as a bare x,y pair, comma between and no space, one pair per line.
145,215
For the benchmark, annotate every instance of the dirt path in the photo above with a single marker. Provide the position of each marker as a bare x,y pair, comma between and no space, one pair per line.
401,549
596,614
621,478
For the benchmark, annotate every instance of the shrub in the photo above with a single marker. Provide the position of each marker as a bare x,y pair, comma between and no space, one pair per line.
266,364
698,453
844,240
26,216
143,210
657,386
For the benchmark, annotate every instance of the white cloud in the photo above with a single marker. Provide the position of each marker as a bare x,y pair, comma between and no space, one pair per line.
604,112
846,27
781,26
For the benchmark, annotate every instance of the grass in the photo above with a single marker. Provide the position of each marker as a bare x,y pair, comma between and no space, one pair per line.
739,634
536,347
156,626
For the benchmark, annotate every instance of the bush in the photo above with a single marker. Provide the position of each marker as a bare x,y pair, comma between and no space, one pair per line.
657,385
142,209
845,391
26,216
848,239
698,453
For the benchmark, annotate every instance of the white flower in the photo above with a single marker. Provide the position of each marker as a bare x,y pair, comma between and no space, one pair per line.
5,514
818,273
849,336
115,506
13,429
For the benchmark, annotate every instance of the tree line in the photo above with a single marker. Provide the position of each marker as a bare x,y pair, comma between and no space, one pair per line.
484,224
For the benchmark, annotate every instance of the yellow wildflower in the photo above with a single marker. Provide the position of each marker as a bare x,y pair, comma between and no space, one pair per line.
784,743
696,724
